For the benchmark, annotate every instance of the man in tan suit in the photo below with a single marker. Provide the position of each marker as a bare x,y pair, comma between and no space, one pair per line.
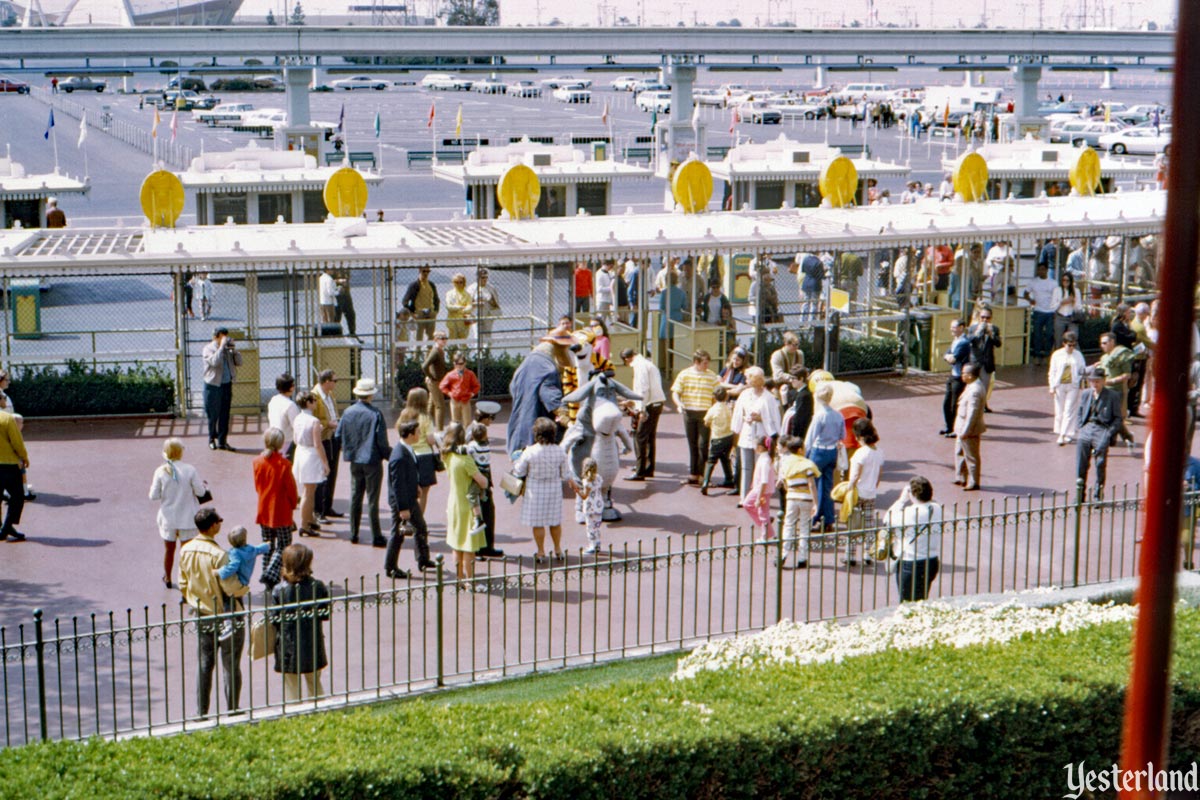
326,410
968,428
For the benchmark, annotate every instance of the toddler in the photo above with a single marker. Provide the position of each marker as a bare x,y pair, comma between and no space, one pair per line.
589,503
762,486
241,563
480,451
717,419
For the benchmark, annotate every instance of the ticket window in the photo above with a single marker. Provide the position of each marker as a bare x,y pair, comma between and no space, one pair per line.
807,195
273,205
230,206
308,142
314,206
592,198
553,202
23,211
769,195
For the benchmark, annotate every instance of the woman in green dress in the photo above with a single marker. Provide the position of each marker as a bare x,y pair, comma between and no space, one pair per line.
462,536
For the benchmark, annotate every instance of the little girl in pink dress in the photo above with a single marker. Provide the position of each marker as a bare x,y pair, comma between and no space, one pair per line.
758,500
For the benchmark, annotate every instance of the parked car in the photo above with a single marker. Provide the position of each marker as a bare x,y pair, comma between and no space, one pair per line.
654,101
9,86
798,109
759,112
1081,132
360,82
709,97
83,83
624,83
269,83
650,85
184,100
223,114
445,82
274,117
1067,108
566,80
1144,112
489,86
1142,140
572,94
524,89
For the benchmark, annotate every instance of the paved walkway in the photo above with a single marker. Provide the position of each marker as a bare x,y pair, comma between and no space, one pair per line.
93,545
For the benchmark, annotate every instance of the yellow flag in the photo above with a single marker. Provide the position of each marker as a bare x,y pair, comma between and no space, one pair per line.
1107,112
154,130
458,122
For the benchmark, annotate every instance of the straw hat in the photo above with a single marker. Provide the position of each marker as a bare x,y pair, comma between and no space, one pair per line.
365,387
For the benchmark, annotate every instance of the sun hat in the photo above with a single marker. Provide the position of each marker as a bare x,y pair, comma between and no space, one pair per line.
365,387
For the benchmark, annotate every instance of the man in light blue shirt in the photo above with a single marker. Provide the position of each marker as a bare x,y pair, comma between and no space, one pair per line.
820,447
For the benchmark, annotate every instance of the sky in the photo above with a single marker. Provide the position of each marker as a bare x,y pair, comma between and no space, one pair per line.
804,13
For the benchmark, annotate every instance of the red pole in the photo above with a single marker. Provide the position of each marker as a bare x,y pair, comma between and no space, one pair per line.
1147,704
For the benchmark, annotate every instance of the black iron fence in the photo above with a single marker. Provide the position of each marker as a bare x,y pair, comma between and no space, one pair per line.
135,672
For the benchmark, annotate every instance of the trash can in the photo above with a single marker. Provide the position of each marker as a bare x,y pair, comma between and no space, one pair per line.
25,294
920,339
599,151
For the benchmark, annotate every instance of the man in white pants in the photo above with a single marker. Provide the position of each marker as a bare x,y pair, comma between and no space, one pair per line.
1067,368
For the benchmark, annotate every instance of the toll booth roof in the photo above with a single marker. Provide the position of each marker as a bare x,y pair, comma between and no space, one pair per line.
17,184
555,164
254,168
787,159
1032,159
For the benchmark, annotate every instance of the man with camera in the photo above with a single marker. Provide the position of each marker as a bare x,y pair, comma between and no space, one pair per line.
221,360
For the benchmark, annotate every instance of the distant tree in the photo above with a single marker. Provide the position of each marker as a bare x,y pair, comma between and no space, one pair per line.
271,18
624,22
555,23
735,23
471,12
297,17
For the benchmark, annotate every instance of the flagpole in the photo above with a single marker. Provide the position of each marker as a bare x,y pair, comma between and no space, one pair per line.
378,141
54,139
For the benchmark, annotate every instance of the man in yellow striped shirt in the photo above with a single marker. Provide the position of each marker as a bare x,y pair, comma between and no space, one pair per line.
13,459
692,392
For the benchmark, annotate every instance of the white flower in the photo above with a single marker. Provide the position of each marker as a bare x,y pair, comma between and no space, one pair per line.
910,626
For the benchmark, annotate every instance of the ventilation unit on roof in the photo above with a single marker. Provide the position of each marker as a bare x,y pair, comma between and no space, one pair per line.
1050,155
800,157
541,159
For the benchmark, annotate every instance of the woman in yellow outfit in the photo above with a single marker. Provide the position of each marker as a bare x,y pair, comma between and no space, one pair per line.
458,307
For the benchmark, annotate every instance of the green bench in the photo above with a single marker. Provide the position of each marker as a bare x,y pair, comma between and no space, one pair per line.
360,157
457,156
635,153
263,131
718,151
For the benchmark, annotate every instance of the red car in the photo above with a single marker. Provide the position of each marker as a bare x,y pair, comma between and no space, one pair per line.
13,86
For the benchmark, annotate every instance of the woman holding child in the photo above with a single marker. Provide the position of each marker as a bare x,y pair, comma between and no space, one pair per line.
463,533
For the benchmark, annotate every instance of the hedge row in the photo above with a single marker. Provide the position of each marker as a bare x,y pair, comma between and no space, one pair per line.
495,371
79,389
983,722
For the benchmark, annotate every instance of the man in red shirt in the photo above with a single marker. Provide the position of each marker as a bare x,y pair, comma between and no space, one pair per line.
583,288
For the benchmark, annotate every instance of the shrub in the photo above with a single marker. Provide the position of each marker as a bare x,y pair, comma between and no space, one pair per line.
994,721
495,371
80,389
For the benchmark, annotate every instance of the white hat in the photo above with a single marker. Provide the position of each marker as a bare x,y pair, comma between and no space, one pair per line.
365,387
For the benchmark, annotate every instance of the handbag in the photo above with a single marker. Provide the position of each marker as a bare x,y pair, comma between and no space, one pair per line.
843,458
512,485
262,639
206,497
1079,316
438,464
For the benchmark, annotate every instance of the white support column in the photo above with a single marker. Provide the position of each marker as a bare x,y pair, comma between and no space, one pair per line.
296,81
1026,101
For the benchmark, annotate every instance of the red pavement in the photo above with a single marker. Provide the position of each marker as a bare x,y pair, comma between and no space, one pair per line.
93,544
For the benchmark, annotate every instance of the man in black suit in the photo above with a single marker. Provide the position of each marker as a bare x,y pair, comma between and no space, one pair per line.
402,497
1099,420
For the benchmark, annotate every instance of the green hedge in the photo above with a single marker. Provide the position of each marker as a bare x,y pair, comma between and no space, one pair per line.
79,389
997,721
856,354
495,372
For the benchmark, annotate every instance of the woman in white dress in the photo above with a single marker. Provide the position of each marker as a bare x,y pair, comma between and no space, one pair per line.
310,466
177,487
544,466
755,417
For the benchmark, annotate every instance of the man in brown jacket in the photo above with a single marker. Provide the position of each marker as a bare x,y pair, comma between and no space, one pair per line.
968,428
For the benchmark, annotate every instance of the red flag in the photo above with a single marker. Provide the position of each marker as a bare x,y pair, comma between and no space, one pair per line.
604,114
734,119
429,124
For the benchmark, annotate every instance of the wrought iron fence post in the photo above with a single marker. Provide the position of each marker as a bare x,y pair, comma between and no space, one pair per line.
1080,490
440,590
40,645
779,556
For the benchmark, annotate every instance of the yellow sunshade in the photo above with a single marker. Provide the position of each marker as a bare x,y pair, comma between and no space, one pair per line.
162,198
519,191
839,182
1085,172
692,186
345,193
971,177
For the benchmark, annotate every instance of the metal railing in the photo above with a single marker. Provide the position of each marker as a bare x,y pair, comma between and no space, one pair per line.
134,672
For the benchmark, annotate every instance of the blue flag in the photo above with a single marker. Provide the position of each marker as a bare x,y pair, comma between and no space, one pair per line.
49,125
341,126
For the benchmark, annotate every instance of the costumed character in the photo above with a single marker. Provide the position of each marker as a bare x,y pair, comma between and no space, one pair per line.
599,407
585,361
847,400
536,387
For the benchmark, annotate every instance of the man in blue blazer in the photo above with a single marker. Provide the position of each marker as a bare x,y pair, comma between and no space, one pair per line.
1099,420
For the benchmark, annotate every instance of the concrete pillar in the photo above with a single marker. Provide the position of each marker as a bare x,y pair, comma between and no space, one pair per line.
819,82
681,77
1025,103
1107,81
296,81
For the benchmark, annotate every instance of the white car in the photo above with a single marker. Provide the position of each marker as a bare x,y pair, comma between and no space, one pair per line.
800,109
524,89
274,117
1141,140
654,101
1081,132
445,82
572,94
625,83
360,82
223,114
566,80
708,97
489,86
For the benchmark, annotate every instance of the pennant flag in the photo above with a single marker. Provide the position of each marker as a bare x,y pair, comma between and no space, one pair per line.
653,120
82,128
341,126
946,116
458,122
734,119
154,128
1107,112
49,125
378,124
604,114
174,124
429,124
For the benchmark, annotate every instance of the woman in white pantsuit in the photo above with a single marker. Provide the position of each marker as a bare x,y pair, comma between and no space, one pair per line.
1067,368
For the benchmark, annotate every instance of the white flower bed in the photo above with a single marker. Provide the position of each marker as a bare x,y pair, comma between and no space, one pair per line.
912,625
